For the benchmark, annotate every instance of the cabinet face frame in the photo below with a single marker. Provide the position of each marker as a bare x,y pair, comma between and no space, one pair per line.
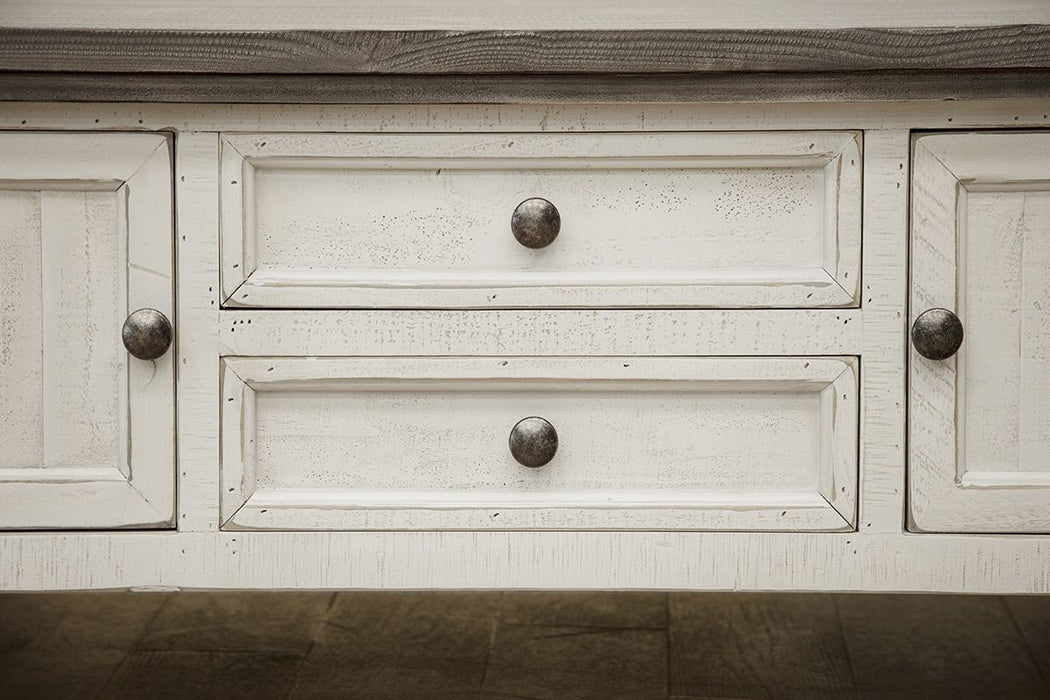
138,491
877,557
945,494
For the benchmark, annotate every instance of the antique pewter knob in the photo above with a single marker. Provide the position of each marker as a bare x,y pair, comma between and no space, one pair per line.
535,223
147,334
533,442
937,334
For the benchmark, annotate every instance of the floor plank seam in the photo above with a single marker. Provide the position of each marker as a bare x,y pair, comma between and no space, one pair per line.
580,630
134,644
845,645
1024,640
320,624
667,643
495,624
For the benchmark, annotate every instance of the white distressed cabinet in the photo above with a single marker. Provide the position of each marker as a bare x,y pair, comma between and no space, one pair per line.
723,359
980,420
741,297
86,431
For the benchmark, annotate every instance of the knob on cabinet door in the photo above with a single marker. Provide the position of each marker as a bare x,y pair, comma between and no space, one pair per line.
147,334
533,441
937,334
535,223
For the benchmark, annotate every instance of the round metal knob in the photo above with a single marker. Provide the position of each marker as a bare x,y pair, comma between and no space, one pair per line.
535,223
937,334
147,334
533,442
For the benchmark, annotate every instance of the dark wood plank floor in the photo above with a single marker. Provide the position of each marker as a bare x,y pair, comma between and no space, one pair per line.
532,646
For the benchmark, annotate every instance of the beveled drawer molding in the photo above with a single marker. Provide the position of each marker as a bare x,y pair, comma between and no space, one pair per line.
642,443
677,219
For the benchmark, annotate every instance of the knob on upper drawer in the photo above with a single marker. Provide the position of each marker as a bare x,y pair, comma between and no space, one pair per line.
533,441
147,334
937,334
535,223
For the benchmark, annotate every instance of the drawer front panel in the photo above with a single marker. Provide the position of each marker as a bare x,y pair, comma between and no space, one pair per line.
980,418
425,220
679,443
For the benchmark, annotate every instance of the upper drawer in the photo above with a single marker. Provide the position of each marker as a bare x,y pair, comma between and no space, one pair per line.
737,220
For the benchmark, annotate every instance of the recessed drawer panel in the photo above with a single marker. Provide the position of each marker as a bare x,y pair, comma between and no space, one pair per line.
440,443
735,220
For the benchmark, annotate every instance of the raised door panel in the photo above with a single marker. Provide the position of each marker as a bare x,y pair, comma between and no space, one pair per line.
642,443
734,220
86,431
980,420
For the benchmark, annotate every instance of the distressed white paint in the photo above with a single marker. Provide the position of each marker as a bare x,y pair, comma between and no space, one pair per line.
980,421
884,300
21,330
728,561
644,443
879,556
423,220
517,118
561,332
89,433
196,243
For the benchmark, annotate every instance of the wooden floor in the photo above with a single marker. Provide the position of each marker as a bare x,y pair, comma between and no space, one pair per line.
521,645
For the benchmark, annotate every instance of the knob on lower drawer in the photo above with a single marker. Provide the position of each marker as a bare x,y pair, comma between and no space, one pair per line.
533,441
535,223
147,334
937,334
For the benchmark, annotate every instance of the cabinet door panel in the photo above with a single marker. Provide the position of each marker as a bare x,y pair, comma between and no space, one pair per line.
86,430
21,330
81,302
980,421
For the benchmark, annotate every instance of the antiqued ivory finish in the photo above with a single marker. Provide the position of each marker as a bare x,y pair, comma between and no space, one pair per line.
424,220
290,442
86,432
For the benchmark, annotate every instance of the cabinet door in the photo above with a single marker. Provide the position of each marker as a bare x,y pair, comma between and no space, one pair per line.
980,417
86,430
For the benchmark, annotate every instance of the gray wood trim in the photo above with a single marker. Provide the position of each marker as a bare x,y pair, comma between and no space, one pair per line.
533,15
490,52
414,89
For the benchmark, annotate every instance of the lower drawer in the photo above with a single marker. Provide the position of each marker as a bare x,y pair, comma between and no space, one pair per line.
633,443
